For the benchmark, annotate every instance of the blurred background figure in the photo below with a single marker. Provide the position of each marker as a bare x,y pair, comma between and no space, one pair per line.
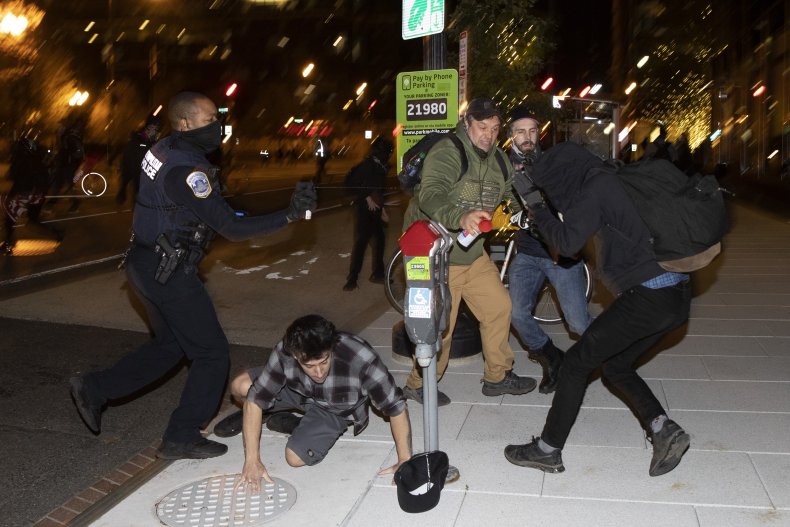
29,180
321,157
69,157
134,151
370,215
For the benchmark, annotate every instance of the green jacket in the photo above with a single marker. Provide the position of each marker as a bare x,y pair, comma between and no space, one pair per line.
441,197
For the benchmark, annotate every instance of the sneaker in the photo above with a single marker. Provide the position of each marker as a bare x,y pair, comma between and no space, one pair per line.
230,426
376,278
201,449
350,285
530,455
415,394
283,422
669,445
88,407
512,384
550,359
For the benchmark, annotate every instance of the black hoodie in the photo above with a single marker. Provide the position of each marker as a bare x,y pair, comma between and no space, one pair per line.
592,200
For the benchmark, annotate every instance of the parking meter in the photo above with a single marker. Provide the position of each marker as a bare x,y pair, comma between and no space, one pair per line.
426,307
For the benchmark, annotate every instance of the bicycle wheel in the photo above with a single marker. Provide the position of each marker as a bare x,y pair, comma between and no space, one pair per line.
547,306
395,282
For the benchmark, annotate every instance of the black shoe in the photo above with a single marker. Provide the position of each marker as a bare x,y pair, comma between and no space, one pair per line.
530,455
415,394
230,426
350,285
283,422
376,278
550,358
88,407
512,384
669,445
201,449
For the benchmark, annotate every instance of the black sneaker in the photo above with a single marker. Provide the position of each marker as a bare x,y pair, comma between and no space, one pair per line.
350,285
283,422
669,445
512,384
550,359
415,394
230,426
530,455
88,407
201,449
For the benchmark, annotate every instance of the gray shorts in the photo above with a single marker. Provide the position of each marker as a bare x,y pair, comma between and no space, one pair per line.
318,430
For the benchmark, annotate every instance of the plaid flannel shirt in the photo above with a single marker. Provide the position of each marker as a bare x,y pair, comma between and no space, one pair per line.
357,376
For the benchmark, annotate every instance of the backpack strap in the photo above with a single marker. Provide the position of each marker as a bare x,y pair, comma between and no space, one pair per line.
460,146
502,165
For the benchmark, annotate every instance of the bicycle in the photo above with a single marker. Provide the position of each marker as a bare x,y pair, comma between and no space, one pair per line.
547,308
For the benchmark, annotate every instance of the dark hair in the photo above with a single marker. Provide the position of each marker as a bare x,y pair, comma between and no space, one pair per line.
309,337
182,106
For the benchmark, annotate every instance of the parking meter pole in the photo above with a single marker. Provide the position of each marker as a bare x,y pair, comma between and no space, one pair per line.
426,309
430,407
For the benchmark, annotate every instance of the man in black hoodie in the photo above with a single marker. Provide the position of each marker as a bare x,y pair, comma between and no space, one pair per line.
649,303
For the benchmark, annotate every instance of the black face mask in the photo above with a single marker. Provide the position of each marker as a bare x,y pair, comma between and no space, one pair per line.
208,138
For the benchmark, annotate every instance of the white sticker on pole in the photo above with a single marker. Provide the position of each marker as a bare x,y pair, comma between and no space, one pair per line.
420,302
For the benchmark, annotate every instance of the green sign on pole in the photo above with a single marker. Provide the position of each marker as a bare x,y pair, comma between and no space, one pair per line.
422,17
425,102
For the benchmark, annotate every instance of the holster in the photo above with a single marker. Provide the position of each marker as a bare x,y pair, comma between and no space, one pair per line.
170,257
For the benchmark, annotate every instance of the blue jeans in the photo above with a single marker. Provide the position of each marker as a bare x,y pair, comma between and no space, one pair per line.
525,280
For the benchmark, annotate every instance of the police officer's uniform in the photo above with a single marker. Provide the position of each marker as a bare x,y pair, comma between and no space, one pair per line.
178,207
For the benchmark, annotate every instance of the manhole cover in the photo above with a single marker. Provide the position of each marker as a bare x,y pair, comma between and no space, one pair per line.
211,502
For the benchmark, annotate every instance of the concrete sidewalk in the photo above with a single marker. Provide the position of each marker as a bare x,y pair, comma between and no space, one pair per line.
725,378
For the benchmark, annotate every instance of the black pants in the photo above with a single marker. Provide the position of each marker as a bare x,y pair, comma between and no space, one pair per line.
184,324
615,340
368,227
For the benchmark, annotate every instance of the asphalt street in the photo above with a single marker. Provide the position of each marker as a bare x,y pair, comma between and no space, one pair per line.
55,325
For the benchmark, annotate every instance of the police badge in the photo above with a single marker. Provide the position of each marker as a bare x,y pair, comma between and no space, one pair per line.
198,182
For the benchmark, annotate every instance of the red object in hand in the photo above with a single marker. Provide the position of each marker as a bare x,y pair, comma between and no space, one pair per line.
484,225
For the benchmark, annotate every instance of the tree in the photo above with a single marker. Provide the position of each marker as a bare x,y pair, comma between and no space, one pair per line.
508,46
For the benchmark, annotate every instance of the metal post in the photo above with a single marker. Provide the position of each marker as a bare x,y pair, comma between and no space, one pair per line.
434,52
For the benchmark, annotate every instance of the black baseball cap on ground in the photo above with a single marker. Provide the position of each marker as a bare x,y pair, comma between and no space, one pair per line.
482,108
420,481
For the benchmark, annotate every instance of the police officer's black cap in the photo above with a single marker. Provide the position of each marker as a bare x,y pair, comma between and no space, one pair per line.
482,108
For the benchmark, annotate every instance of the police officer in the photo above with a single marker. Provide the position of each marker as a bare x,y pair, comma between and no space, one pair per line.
177,210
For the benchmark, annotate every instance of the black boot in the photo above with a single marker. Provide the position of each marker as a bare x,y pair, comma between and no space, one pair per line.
550,359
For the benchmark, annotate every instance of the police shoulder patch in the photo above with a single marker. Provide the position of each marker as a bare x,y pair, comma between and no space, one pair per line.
199,184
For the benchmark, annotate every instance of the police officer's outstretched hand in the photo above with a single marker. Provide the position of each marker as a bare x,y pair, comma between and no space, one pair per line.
303,199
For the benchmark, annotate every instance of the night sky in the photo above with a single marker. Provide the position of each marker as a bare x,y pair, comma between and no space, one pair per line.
583,39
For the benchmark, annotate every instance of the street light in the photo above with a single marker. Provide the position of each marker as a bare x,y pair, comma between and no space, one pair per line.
308,69
13,25
79,98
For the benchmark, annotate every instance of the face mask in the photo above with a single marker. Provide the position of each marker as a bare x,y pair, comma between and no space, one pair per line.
208,138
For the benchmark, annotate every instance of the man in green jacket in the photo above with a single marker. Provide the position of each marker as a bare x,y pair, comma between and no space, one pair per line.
460,203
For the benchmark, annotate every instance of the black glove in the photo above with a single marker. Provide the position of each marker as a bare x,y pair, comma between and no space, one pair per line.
522,183
534,201
303,199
